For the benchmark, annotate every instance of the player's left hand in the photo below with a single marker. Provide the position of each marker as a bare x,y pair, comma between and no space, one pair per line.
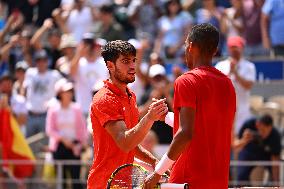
151,181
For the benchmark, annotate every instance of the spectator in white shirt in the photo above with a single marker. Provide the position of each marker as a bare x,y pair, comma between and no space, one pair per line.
39,83
243,74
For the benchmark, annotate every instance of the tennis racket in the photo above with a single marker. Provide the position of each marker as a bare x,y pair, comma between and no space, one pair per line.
131,176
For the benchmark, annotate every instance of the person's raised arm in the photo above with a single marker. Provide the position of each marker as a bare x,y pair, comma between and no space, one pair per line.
128,139
35,41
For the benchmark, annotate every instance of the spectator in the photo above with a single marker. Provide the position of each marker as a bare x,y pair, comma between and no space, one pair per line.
121,13
210,13
18,87
243,75
272,26
173,27
145,14
231,22
108,28
261,142
66,127
251,14
159,88
53,41
79,19
17,103
17,49
39,84
67,46
87,68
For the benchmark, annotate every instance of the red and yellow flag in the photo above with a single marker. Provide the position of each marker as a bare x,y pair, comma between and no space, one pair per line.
15,146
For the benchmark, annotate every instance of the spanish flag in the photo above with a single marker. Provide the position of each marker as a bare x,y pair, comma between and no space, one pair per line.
15,146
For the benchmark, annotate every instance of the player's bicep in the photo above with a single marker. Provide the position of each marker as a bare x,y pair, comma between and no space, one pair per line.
117,129
186,120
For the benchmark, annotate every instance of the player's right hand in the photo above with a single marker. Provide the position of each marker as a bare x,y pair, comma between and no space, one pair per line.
157,109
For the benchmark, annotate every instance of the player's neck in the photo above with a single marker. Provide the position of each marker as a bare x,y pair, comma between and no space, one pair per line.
203,61
122,86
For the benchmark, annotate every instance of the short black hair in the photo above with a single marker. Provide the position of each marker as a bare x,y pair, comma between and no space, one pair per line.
112,50
206,37
107,8
266,119
167,4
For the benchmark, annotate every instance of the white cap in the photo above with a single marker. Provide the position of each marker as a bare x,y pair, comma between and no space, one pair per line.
156,69
63,85
67,40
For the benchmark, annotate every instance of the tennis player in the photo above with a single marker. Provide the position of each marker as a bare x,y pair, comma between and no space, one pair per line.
204,109
114,116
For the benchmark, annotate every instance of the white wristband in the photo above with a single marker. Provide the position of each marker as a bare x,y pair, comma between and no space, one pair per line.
164,164
169,119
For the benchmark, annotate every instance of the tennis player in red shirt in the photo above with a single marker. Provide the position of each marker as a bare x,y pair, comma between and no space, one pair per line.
115,117
204,109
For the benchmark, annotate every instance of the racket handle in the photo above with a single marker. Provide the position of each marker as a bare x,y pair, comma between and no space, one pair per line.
173,186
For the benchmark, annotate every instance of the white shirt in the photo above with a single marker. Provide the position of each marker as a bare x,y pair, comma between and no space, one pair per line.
40,88
66,123
18,104
246,70
88,74
80,22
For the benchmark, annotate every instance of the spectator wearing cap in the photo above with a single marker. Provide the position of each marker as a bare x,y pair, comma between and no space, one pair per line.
15,102
87,68
108,28
39,84
20,71
66,127
53,41
67,46
159,87
243,74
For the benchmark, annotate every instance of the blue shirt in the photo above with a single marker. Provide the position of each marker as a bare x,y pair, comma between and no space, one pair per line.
275,10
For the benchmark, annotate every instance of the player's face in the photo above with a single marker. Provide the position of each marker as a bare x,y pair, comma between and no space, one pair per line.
125,69
188,55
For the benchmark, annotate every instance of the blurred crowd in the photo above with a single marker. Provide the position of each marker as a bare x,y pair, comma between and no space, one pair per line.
51,66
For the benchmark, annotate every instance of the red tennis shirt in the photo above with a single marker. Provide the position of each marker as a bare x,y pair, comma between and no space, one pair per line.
110,104
204,163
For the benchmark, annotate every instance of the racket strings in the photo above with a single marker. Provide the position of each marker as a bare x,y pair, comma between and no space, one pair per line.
128,178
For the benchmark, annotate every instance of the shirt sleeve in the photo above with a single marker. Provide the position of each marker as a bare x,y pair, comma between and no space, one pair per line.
267,7
185,92
107,109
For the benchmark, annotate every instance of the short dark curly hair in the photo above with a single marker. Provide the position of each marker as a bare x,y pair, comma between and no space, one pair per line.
206,37
112,50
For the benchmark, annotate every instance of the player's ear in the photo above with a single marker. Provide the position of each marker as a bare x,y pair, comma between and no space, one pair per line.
190,47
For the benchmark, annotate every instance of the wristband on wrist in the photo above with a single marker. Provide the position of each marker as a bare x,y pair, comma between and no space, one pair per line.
164,164
169,119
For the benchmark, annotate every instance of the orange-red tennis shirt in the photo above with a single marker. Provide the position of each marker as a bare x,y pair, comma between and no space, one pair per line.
109,104
205,161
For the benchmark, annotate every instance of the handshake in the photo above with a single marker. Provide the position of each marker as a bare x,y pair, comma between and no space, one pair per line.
160,112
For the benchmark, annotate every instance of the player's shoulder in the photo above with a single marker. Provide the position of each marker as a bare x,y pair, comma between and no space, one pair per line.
105,97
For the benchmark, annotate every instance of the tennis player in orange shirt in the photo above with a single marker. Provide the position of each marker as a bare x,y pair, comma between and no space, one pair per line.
204,109
115,117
